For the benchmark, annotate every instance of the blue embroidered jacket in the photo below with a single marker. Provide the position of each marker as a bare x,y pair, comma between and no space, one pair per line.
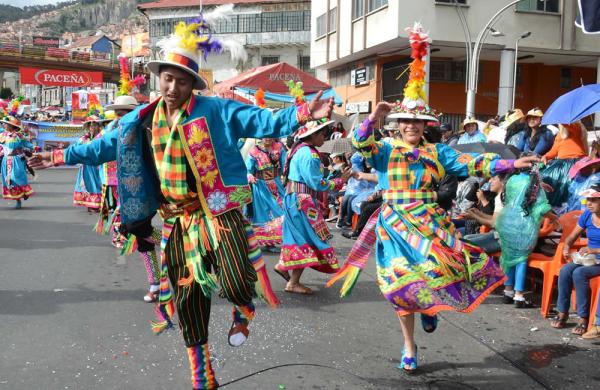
227,122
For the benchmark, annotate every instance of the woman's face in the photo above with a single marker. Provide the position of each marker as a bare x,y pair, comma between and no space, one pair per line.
593,204
267,142
471,127
534,121
412,130
337,160
496,185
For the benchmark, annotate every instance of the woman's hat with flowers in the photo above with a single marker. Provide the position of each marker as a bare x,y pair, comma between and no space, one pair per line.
414,105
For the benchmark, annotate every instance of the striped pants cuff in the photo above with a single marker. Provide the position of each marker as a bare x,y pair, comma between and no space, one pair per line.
203,376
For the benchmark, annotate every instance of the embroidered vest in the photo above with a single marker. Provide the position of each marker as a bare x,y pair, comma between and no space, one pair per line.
216,197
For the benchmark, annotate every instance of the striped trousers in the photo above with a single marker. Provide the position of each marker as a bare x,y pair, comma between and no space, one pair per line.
229,262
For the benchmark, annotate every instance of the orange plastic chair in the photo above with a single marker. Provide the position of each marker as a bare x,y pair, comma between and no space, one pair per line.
354,221
551,265
595,288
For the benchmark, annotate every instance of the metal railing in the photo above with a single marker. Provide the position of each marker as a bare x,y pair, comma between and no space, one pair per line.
8,48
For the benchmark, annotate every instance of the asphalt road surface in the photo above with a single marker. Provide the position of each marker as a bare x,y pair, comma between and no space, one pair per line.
72,317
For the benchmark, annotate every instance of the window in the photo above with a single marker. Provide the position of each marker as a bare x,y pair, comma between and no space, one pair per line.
550,6
322,22
268,60
358,8
375,4
565,77
332,20
321,25
393,79
448,71
451,1
304,64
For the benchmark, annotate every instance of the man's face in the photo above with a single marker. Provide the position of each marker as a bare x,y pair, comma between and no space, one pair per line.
121,113
175,86
318,138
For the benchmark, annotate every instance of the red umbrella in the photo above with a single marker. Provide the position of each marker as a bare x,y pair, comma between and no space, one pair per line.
271,78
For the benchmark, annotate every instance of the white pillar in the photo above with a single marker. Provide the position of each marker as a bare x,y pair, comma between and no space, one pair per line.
597,121
505,86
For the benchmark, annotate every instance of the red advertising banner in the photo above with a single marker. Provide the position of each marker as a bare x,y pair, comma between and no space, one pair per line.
59,78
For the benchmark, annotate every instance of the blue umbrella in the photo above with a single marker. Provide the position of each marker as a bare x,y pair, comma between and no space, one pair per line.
574,105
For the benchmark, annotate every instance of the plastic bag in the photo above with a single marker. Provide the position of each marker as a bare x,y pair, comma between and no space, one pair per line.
518,230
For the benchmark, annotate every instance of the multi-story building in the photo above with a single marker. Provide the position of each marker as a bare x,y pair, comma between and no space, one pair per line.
363,47
271,31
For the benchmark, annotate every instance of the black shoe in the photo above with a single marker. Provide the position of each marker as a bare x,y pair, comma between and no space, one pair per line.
347,234
524,304
507,299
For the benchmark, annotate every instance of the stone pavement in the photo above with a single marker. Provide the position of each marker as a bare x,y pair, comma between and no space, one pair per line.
72,317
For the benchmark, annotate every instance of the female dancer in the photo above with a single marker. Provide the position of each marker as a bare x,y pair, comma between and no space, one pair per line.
422,265
305,232
88,186
15,185
265,164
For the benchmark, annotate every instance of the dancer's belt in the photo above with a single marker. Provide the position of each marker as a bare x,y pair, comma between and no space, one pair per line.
392,197
171,210
300,188
267,174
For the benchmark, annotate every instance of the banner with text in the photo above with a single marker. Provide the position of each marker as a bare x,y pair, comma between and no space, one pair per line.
59,78
52,135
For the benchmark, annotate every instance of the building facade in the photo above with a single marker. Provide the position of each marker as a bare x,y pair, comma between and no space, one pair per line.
271,31
362,45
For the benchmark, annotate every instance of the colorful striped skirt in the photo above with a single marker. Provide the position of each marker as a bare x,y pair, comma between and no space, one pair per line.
88,188
267,212
422,266
305,235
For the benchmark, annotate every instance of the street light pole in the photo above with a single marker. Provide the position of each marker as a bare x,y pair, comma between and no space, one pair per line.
474,64
514,88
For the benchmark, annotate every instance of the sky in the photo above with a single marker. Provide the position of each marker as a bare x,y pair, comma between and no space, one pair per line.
22,3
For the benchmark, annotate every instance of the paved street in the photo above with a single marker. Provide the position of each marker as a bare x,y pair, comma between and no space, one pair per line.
72,317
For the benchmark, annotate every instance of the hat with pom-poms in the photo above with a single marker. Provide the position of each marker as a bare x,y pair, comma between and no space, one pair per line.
192,41
414,105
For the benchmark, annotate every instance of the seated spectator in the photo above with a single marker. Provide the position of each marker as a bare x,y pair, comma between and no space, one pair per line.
497,134
337,165
353,188
578,276
485,204
536,139
570,144
448,136
472,133
489,241
388,131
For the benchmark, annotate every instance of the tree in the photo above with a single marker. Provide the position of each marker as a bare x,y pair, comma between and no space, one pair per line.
6,93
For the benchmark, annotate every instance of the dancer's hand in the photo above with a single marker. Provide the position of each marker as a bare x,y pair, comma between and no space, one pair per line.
320,108
526,162
251,179
381,110
40,160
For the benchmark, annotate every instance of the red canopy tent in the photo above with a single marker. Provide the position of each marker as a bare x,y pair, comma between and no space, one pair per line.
271,78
